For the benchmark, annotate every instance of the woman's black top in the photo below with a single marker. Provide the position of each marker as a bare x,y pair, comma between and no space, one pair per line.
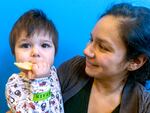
79,102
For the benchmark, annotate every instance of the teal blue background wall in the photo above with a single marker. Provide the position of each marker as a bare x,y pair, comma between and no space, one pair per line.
74,20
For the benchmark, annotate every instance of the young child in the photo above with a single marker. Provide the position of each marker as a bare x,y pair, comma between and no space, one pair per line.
33,41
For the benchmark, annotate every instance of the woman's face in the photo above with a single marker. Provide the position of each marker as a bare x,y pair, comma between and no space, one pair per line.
105,53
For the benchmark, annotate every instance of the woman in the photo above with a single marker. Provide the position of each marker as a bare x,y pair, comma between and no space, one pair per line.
111,77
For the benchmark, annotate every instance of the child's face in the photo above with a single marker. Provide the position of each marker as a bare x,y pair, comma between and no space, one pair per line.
38,48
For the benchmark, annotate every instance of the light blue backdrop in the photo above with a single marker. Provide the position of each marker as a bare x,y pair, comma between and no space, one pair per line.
74,20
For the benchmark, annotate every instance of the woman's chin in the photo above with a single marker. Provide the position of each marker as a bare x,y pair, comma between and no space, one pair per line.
90,72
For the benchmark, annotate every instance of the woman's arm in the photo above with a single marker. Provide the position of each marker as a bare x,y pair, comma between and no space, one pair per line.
68,72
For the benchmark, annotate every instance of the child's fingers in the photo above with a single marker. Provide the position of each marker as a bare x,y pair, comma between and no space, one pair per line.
30,75
41,69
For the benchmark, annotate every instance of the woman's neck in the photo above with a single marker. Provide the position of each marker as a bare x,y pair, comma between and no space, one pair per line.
111,86
105,95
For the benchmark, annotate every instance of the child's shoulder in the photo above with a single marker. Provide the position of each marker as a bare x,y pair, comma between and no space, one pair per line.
53,68
13,78
53,72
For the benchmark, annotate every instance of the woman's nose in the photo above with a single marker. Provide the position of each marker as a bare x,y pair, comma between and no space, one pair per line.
89,51
35,52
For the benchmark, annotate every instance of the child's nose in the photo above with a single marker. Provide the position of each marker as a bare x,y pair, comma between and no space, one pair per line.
35,52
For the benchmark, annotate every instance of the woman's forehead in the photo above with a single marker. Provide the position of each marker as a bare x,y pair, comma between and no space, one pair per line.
107,29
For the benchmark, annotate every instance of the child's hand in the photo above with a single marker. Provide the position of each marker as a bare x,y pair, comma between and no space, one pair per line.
39,70
34,70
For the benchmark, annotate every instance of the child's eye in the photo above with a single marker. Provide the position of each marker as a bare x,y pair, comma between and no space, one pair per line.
25,45
45,45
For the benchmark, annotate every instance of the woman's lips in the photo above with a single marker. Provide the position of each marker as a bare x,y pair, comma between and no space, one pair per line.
90,63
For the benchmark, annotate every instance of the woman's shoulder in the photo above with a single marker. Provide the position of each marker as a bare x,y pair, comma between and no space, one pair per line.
72,66
72,72
142,89
144,97
147,85
75,61
135,98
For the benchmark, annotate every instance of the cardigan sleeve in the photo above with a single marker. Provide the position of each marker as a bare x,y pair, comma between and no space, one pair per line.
144,100
70,72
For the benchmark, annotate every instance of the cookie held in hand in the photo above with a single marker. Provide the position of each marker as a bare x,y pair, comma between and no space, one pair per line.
24,65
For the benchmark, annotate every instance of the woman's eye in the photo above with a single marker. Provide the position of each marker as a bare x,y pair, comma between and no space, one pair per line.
103,47
25,45
91,40
46,45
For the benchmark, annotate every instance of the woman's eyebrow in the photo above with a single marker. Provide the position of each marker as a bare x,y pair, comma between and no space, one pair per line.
101,41
98,39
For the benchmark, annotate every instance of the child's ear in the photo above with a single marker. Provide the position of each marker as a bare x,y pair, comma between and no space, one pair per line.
135,64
